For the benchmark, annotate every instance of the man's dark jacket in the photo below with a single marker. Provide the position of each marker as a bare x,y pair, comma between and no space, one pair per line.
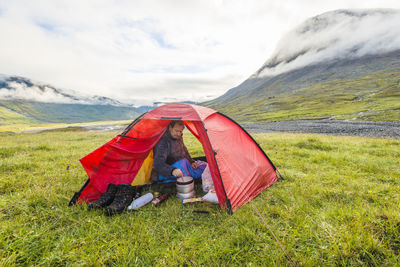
166,152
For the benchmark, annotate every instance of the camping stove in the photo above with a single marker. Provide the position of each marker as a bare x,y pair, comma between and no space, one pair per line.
185,187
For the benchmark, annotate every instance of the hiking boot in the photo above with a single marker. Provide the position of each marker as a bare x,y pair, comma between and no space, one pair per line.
123,198
105,199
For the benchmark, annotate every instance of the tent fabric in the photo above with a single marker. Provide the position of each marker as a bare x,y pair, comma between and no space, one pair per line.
118,161
239,167
144,173
181,111
244,169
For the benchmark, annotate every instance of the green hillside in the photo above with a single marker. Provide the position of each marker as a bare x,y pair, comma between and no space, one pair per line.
10,117
374,96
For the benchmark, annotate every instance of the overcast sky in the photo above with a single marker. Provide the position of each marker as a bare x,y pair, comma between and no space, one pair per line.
136,51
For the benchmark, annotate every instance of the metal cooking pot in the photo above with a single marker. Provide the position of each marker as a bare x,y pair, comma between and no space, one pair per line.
184,184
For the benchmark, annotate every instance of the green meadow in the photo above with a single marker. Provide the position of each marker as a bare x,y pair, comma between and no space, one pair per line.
338,205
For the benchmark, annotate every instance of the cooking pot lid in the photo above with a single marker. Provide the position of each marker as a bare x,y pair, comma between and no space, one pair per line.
184,180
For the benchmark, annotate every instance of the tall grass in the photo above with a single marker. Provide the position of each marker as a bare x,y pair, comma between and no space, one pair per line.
338,205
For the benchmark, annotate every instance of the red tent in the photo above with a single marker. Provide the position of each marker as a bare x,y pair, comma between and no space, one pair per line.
239,167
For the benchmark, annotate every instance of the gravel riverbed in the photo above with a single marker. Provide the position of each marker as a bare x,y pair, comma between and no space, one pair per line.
384,129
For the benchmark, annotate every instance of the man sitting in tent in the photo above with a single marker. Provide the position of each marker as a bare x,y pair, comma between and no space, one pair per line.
171,157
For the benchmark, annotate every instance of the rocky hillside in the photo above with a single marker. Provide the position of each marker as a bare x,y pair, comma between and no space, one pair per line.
343,64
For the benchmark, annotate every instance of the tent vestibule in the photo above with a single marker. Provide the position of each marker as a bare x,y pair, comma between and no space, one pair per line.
239,167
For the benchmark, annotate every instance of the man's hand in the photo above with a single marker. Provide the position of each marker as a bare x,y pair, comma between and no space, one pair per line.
195,165
177,173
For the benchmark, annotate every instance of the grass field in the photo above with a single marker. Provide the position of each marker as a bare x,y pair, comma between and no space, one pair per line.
338,205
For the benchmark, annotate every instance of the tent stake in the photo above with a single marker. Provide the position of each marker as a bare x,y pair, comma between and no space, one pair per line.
77,194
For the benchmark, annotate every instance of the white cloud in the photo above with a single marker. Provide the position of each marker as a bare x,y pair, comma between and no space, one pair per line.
148,49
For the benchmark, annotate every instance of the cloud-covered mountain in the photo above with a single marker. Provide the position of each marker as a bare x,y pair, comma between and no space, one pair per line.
341,56
23,101
340,34
19,88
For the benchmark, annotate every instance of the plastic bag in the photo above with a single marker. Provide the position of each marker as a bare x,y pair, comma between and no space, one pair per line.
206,180
211,197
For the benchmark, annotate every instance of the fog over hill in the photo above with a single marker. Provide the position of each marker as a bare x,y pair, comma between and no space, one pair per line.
20,88
340,34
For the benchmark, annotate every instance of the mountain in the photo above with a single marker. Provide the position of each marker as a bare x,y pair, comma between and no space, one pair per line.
25,101
343,64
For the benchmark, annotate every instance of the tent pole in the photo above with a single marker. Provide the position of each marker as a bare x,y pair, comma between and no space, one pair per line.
127,129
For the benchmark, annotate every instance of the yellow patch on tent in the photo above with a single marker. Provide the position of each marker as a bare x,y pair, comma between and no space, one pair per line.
143,175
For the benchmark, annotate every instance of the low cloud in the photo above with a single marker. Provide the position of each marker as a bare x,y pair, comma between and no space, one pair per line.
336,35
18,90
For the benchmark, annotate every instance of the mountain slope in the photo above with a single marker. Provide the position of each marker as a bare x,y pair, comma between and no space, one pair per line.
332,76
29,111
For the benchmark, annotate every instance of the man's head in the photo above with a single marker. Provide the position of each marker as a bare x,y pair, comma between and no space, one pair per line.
176,128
